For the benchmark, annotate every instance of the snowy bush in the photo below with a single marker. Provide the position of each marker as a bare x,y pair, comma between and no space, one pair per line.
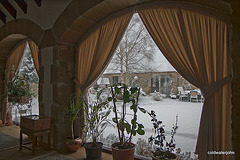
109,140
157,96
143,148
186,155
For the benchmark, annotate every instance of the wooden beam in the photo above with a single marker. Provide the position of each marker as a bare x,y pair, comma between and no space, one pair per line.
22,4
38,2
9,8
2,17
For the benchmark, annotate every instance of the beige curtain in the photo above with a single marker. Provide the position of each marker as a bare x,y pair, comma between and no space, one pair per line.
14,60
34,51
197,45
96,50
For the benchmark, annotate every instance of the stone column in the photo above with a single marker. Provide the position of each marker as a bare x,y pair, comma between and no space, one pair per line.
2,78
236,78
57,72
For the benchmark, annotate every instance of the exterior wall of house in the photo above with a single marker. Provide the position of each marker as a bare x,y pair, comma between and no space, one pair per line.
144,80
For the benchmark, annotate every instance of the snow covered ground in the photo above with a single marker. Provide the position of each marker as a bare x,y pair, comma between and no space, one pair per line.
189,114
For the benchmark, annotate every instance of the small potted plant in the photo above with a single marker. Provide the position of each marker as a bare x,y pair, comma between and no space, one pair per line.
96,113
72,144
161,148
124,149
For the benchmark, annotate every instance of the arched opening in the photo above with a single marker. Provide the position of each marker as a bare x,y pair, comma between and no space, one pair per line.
171,33
17,90
27,70
157,80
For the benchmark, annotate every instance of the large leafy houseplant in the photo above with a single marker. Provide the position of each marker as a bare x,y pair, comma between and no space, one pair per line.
17,90
72,111
126,129
162,149
96,113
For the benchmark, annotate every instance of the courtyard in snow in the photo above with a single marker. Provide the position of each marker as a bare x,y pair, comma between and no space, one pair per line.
189,114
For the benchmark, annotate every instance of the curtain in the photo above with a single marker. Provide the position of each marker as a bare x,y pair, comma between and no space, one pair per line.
12,67
34,51
14,60
197,45
96,50
94,53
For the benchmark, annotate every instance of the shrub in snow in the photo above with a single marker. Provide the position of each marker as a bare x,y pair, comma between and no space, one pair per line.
157,96
186,155
163,96
109,140
143,148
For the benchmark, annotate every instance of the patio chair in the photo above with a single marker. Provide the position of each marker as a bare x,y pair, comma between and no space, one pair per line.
193,95
182,95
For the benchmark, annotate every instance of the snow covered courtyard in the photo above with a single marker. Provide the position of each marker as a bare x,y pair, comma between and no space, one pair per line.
189,114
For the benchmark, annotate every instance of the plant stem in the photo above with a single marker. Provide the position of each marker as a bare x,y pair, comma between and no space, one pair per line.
135,114
115,111
72,134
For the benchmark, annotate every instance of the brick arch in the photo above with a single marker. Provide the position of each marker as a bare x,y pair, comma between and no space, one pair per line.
83,15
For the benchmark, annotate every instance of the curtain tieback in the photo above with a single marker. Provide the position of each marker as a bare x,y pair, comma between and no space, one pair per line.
210,89
79,85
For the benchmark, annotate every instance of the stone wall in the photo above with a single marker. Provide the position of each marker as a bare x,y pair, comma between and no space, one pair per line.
236,78
62,76
144,80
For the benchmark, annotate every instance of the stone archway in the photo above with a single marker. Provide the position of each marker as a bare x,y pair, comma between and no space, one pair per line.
79,35
12,35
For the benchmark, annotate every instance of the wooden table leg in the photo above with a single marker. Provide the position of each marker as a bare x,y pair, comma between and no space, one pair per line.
49,140
21,140
34,145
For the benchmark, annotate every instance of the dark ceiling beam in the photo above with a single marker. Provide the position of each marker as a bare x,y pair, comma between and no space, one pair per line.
22,4
38,2
9,8
2,17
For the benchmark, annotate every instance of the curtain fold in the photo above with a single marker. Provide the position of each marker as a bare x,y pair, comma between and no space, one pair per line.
96,50
34,51
12,67
14,60
197,46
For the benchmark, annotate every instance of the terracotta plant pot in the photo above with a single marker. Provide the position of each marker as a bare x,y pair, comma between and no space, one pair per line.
93,152
123,154
164,155
72,145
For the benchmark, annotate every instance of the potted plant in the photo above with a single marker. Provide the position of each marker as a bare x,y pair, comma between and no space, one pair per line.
17,90
72,144
124,149
96,113
161,148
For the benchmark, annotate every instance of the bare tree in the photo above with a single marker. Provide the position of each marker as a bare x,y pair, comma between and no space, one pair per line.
135,51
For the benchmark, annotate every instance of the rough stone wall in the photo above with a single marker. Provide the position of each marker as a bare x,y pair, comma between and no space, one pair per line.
62,76
236,78
2,69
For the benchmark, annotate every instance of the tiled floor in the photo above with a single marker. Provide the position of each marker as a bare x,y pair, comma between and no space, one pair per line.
16,154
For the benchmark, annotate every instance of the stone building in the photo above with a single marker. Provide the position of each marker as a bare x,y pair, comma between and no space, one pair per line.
165,82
